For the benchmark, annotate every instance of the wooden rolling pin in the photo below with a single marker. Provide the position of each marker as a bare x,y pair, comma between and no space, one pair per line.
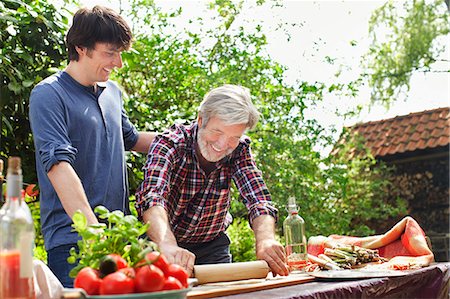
231,271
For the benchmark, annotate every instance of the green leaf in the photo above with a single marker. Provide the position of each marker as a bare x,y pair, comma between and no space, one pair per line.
15,87
79,221
27,83
101,210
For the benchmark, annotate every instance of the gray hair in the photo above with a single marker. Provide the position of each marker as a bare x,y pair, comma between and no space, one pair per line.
232,104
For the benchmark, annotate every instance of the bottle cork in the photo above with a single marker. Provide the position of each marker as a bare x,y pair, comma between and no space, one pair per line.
14,166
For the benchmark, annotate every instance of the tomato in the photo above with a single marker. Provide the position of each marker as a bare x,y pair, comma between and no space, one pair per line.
111,263
89,280
179,273
157,259
120,261
130,272
117,283
149,278
31,190
171,283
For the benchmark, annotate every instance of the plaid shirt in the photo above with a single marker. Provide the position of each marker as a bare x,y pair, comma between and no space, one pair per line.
196,204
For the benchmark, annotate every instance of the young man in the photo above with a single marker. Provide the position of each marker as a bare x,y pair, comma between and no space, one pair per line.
186,190
81,133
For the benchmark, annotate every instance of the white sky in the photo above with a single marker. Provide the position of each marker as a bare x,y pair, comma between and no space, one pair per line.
327,28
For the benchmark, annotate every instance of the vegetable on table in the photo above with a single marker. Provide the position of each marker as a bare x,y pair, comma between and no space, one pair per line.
114,258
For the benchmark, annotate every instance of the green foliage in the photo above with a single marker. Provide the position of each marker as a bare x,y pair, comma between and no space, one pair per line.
165,77
175,71
410,44
31,46
242,241
121,235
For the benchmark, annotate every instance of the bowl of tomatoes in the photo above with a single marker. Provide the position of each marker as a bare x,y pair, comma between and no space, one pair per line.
173,294
152,277
113,260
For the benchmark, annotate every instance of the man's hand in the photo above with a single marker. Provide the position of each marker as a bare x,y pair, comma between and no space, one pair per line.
161,233
180,256
267,248
273,253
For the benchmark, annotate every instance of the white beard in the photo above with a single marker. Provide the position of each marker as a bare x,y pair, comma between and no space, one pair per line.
206,151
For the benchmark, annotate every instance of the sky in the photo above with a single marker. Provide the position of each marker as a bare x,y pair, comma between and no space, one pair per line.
326,28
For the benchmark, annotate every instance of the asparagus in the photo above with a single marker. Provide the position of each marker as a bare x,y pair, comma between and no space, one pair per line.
347,256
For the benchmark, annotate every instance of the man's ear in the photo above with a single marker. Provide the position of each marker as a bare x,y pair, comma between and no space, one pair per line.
199,121
81,50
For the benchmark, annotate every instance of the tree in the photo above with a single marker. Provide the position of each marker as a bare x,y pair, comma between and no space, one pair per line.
413,39
32,46
164,79
171,70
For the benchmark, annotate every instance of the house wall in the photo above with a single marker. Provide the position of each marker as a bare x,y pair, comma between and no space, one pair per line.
424,182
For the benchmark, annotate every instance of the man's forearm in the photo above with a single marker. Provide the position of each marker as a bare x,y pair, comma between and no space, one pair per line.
144,141
161,233
264,228
70,191
267,247
159,230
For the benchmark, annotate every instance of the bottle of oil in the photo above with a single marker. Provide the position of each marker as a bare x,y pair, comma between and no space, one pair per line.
294,233
17,239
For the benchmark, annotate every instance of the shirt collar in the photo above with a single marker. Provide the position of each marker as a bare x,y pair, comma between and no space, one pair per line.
100,85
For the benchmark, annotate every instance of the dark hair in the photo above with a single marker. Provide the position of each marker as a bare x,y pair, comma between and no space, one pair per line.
99,24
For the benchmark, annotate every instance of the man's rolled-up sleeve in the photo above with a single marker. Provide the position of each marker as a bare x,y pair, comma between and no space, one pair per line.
129,132
252,188
49,127
155,188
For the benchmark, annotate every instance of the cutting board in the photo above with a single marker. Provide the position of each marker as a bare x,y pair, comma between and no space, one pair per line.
218,289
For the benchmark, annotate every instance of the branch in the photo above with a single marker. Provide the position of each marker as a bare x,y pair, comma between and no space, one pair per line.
418,69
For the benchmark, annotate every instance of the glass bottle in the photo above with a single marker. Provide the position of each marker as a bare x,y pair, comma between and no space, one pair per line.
1,183
17,239
295,237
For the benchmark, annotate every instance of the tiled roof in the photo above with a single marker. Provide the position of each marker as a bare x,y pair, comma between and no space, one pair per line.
407,133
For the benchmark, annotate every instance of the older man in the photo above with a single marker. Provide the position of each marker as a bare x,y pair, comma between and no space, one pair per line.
185,194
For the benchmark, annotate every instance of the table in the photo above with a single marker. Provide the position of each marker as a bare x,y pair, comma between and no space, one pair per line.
430,282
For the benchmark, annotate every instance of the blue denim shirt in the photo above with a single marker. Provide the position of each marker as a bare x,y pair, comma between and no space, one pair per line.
91,132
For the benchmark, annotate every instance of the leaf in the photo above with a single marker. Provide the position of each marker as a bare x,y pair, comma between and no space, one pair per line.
27,83
79,221
15,87
101,210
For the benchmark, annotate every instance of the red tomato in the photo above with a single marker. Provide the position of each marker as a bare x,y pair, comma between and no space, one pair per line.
149,278
171,283
179,273
89,280
31,190
128,272
157,259
120,261
117,283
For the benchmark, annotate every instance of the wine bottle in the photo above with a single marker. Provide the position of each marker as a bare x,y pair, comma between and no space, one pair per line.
17,239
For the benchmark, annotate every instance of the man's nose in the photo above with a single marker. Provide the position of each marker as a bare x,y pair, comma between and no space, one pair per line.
118,60
222,142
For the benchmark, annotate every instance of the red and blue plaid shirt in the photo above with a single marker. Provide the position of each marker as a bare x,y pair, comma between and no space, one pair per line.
197,204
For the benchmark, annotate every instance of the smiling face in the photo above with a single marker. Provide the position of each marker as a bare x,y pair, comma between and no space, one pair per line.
98,63
216,140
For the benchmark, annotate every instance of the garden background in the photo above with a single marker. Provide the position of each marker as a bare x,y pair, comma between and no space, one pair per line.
169,69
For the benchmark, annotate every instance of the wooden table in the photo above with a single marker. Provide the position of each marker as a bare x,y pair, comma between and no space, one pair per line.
429,282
